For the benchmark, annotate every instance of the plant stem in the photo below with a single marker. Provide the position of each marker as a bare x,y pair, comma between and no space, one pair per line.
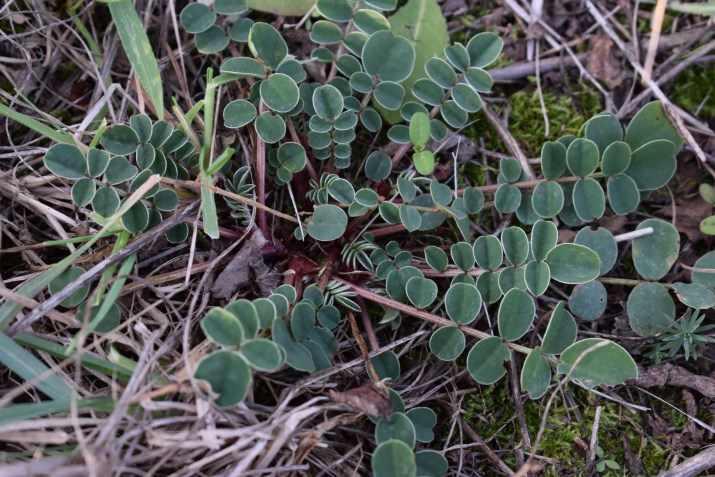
453,272
341,46
209,108
308,164
627,282
367,322
396,228
330,266
261,178
363,347
532,184
122,241
245,200
389,230
208,202
423,315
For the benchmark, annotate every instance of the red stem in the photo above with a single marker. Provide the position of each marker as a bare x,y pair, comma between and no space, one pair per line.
367,323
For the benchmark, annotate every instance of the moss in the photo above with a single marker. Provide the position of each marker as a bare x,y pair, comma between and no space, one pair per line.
6,85
65,70
654,457
643,24
677,419
491,413
567,113
475,173
695,87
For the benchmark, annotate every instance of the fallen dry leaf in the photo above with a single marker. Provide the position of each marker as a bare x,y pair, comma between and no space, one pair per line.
613,223
566,235
692,430
246,267
689,212
368,399
603,62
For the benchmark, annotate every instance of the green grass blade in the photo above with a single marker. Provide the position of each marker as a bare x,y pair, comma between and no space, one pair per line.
24,364
88,38
208,202
81,238
208,208
37,126
138,50
114,291
221,161
19,412
34,286
87,361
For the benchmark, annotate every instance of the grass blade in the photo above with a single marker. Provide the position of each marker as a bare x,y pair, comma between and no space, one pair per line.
208,208
19,412
107,301
24,364
87,360
208,201
138,49
37,126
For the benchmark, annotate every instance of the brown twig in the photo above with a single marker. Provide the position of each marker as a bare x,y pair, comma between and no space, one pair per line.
523,69
692,58
424,315
367,323
667,105
694,465
363,347
508,140
239,198
520,416
493,458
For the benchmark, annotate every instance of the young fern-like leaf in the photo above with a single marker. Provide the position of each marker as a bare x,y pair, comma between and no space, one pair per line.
241,185
359,252
319,191
336,292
